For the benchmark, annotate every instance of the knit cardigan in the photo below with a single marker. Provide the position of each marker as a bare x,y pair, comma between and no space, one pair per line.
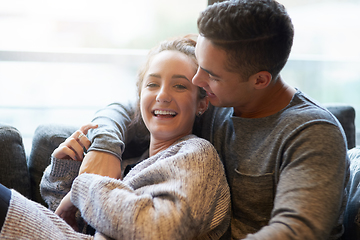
179,193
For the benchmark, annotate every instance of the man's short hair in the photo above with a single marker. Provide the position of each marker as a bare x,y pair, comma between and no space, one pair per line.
257,35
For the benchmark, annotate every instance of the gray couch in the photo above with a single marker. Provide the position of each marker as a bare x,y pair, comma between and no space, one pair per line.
346,116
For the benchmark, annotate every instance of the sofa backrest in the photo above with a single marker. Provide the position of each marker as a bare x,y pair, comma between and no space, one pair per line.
346,116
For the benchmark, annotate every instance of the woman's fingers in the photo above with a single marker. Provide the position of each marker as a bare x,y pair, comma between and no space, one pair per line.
64,152
69,149
75,145
66,210
83,141
85,128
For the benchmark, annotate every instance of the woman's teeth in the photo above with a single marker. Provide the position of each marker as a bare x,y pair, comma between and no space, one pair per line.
164,112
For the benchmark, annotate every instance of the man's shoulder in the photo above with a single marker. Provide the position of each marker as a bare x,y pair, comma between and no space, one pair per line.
303,108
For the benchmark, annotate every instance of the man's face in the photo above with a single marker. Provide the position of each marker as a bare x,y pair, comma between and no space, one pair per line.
224,88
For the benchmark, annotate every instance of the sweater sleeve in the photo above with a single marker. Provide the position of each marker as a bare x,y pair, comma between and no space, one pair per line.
57,179
30,220
116,127
162,201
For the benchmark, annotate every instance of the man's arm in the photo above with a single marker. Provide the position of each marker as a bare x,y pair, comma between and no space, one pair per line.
101,163
115,129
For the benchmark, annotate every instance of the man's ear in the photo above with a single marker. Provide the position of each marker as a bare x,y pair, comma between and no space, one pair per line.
262,79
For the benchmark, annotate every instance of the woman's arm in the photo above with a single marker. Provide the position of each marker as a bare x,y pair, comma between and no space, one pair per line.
57,179
64,167
162,201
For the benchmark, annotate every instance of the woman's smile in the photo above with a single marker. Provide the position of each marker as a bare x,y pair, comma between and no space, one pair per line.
164,113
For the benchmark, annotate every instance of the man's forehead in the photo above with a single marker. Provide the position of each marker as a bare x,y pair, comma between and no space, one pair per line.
200,41
200,38
206,45
202,48
209,55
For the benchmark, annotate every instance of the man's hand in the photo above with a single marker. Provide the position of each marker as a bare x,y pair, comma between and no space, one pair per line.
101,163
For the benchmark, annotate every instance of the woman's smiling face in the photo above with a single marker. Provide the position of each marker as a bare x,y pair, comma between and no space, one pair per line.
169,101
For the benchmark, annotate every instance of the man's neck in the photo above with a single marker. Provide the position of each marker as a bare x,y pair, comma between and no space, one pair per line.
268,101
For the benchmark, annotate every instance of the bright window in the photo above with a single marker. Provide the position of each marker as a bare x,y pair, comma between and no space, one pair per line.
325,60
60,61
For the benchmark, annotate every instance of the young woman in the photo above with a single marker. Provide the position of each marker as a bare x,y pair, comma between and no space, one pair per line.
179,190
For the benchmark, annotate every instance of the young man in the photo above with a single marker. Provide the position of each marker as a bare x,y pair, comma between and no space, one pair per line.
284,155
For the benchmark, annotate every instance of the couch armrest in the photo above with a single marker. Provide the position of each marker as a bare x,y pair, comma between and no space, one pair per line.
13,171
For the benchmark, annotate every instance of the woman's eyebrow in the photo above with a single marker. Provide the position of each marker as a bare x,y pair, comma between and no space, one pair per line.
154,75
180,76
174,76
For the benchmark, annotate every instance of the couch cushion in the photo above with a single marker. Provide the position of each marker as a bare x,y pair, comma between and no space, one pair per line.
13,171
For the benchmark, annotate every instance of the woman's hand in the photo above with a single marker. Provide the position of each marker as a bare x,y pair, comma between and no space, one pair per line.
66,210
73,147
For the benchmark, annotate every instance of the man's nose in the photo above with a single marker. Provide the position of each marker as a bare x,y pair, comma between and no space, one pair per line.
199,78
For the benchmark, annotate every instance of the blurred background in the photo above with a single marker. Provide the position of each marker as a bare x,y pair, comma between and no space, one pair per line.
60,61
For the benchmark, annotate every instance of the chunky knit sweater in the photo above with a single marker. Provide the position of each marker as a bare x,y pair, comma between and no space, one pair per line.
179,193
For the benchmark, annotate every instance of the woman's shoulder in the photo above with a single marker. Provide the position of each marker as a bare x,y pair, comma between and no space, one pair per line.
195,142
195,147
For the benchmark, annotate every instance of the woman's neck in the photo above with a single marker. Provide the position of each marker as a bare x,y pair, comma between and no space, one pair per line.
158,145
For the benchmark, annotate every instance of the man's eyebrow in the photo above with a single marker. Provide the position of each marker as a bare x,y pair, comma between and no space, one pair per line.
209,72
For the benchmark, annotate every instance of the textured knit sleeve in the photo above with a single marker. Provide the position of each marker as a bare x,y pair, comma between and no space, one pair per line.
32,221
57,179
181,195
114,129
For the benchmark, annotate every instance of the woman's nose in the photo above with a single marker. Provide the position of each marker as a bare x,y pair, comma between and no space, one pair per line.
163,95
